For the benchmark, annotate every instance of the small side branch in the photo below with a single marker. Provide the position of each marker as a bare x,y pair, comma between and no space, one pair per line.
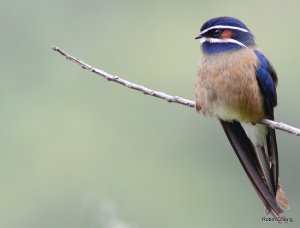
162,95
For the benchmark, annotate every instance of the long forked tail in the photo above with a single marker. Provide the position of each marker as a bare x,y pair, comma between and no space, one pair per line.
244,149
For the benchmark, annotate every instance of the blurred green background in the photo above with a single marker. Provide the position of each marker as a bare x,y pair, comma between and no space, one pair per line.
77,151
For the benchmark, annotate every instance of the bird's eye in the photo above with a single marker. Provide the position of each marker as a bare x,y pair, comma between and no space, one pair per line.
217,33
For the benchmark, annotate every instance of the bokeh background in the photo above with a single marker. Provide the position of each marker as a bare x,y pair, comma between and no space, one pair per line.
77,151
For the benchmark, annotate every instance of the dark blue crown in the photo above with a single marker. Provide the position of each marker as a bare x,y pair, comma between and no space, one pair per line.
229,21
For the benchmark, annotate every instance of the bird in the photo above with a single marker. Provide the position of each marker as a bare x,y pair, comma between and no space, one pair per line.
236,84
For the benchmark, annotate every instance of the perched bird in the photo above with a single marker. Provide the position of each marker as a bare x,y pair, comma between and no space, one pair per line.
237,84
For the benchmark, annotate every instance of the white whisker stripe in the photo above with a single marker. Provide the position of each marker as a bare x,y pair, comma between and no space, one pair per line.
215,40
224,27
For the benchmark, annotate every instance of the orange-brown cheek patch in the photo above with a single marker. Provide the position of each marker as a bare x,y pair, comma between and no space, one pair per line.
226,34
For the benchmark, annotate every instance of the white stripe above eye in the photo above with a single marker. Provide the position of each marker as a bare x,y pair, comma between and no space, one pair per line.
223,27
215,40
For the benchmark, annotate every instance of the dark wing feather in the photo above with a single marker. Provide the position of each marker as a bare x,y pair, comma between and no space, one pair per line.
267,80
245,152
273,155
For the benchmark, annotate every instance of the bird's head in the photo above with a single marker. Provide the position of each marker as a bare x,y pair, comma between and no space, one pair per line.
223,34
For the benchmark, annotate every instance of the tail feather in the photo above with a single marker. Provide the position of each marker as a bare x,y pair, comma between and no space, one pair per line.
281,198
265,167
246,153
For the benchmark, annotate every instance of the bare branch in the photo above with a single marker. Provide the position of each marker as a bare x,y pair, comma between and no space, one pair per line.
130,85
171,99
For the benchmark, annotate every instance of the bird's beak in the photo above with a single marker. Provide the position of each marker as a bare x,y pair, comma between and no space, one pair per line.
198,37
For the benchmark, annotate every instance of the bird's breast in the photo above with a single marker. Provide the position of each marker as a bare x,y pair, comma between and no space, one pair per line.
226,86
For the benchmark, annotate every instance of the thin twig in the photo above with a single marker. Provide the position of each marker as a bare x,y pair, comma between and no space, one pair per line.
171,99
